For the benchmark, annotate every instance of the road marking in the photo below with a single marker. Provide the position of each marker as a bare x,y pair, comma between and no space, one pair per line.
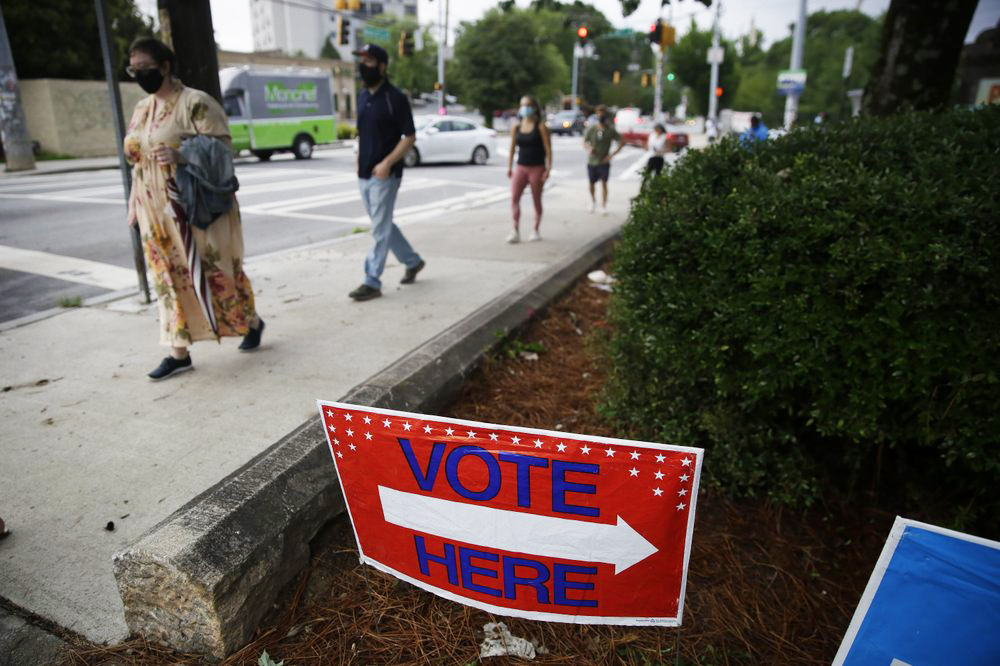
434,209
51,196
635,166
71,269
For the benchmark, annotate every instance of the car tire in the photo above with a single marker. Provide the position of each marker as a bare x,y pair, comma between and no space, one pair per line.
262,155
412,158
302,148
480,155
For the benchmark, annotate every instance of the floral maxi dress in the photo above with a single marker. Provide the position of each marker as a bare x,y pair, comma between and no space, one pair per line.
226,292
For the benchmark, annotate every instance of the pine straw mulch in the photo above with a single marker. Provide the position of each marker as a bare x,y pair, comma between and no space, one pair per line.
765,585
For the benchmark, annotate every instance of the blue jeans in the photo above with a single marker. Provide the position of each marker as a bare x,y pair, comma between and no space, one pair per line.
379,198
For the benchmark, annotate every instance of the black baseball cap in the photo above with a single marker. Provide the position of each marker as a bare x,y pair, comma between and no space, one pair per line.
375,51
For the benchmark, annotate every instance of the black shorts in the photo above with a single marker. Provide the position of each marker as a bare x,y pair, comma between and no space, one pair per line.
598,172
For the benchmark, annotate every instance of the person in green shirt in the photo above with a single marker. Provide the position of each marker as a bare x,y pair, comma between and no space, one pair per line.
597,142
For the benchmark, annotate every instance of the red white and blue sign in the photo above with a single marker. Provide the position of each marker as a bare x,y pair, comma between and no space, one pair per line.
933,598
516,521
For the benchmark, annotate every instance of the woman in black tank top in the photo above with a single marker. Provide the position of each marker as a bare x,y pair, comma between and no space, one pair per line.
530,140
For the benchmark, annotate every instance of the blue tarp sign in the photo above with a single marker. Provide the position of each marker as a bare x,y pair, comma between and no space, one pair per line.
933,598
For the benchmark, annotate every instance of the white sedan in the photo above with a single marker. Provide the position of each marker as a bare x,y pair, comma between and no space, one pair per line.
450,139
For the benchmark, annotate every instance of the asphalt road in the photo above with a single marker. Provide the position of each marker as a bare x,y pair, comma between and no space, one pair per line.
63,237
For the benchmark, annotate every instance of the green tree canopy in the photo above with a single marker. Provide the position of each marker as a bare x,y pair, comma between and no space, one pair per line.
688,59
416,73
58,38
504,56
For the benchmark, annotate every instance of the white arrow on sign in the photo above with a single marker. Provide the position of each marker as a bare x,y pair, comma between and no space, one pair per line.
528,533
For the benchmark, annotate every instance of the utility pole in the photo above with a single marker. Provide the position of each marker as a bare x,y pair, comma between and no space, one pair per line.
118,121
577,54
715,58
443,7
798,46
16,141
186,26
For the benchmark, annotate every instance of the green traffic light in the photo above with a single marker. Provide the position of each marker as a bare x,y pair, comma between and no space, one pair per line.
670,76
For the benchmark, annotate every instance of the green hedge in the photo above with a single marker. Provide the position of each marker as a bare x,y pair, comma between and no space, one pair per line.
820,308
345,132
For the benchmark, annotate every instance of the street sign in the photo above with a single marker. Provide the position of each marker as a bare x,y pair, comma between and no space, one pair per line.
716,55
933,598
622,32
516,521
791,81
371,32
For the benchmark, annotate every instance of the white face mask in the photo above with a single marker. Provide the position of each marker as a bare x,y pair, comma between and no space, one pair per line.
526,111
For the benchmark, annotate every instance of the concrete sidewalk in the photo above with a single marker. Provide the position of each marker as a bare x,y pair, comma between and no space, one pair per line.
89,441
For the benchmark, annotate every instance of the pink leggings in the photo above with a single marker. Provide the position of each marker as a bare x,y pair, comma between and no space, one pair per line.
522,176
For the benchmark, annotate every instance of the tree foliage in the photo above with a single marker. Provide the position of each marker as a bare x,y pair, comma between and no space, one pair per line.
416,73
504,56
59,38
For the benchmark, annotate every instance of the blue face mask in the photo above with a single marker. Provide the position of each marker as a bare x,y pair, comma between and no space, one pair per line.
526,111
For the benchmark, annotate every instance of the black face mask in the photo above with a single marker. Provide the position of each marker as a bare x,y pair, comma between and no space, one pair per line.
370,75
604,119
149,80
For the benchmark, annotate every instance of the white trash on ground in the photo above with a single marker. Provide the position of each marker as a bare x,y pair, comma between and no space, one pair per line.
601,280
499,642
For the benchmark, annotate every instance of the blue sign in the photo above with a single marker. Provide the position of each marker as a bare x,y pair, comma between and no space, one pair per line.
933,598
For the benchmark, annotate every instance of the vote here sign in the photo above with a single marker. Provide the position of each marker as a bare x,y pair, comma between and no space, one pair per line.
516,521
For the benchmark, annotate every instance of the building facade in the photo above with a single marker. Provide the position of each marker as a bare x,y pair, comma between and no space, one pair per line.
302,27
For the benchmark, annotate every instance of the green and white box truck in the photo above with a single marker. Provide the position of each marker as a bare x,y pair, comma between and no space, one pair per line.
277,109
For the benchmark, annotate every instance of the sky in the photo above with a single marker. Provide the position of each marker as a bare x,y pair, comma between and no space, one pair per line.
772,17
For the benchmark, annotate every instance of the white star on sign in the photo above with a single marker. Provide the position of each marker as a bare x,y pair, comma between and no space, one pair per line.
681,506
449,431
427,429
407,426
368,420
686,462
610,452
658,475
660,458
657,492
538,443
353,448
471,434
635,455
336,441
561,447
515,440
347,417
682,492
329,413
494,437
368,436
339,454
585,450
684,477
633,472
387,423
333,428
350,433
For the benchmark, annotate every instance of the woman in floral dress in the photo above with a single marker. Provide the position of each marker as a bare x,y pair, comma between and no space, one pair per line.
202,291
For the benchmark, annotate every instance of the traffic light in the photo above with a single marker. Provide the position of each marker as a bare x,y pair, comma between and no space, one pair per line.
343,31
582,32
670,76
354,5
405,44
340,5
718,91
656,33
616,77
668,36
644,80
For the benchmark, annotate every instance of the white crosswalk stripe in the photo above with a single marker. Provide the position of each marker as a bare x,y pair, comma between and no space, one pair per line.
71,269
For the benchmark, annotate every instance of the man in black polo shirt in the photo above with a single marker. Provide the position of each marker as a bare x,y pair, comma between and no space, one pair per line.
385,134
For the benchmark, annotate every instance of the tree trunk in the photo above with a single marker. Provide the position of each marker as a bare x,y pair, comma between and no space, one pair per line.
921,45
186,26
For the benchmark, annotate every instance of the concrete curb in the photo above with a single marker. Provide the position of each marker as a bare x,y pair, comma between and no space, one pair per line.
202,580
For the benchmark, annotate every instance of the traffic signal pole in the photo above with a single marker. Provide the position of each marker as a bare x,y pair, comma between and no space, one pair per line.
798,46
713,99
442,47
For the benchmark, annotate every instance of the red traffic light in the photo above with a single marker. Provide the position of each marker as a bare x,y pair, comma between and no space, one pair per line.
582,32
718,91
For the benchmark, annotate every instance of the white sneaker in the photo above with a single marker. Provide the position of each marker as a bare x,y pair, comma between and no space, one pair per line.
593,206
604,211
514,237
534,237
